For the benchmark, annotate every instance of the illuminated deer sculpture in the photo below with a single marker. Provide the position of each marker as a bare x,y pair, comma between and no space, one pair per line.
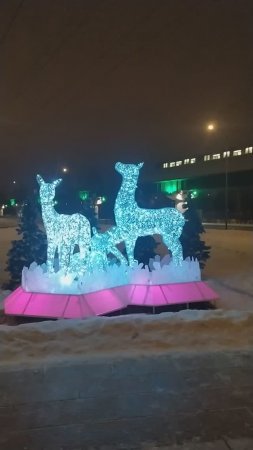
63,231
104,243
134,221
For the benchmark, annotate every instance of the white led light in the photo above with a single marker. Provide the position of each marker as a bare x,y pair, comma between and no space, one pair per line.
134,221
101,245
63,231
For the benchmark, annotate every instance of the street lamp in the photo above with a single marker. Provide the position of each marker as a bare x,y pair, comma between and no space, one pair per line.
226,192
211,126
65,169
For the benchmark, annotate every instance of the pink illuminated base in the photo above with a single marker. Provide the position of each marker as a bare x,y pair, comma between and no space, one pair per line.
22,303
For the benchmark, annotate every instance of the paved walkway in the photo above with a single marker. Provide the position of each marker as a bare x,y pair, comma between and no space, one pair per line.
224,444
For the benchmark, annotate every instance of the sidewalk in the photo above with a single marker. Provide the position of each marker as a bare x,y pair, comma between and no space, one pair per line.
224,444
8,222
231,226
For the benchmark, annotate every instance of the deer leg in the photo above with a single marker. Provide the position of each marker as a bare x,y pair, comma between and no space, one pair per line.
116,252
64,259
84,245
50,255
84,251
130,244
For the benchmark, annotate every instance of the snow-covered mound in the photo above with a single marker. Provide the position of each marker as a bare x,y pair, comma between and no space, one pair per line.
3,294
37,279
142,334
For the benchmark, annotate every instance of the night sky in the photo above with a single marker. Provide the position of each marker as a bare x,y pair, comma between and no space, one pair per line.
87,83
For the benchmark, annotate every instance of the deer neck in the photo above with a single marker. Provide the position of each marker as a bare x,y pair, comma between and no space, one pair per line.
48,213
126,194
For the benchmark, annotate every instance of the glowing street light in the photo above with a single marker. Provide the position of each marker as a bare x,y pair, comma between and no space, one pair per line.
65,169
210,127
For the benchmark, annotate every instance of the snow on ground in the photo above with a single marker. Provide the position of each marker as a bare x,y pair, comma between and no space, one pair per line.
6,236
229,270
122,336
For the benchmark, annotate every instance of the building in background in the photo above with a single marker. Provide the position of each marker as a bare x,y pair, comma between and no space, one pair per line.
221,182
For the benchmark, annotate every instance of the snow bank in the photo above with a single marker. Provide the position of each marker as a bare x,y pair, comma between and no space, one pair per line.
3,294
235,292
139,335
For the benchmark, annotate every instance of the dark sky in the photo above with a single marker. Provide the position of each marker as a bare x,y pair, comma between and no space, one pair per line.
86,83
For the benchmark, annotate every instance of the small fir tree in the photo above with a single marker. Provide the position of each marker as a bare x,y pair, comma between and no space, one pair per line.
31,246
145,249
193,245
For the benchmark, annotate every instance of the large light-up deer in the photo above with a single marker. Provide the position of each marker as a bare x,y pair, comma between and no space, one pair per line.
134,221
64,231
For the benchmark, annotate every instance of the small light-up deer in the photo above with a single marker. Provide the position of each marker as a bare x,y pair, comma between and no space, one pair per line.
104,243
134,221
63,231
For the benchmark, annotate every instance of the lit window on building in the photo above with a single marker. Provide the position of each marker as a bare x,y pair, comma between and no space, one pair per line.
216,156
226,154
178,163
207,157
172,164
186,161
248,150
237,153
193,160
165,165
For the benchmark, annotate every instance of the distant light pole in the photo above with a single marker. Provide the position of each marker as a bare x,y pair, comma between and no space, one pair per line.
226,192
211,127
65,169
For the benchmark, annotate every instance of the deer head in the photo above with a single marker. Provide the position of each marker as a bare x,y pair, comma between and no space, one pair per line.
47,190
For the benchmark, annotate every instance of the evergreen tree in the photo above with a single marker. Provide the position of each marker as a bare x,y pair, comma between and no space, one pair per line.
30,247
145,248
192,243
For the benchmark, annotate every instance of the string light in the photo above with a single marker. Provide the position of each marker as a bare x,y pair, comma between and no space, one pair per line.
64,231
134,221
101,245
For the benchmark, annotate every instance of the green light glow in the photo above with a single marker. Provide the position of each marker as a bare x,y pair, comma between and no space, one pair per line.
194,194
12,202
170,186
83,195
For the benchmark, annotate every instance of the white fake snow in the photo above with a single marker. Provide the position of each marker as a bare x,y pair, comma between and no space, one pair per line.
37,279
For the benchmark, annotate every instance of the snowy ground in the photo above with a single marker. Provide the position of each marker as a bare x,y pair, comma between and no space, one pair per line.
229,270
